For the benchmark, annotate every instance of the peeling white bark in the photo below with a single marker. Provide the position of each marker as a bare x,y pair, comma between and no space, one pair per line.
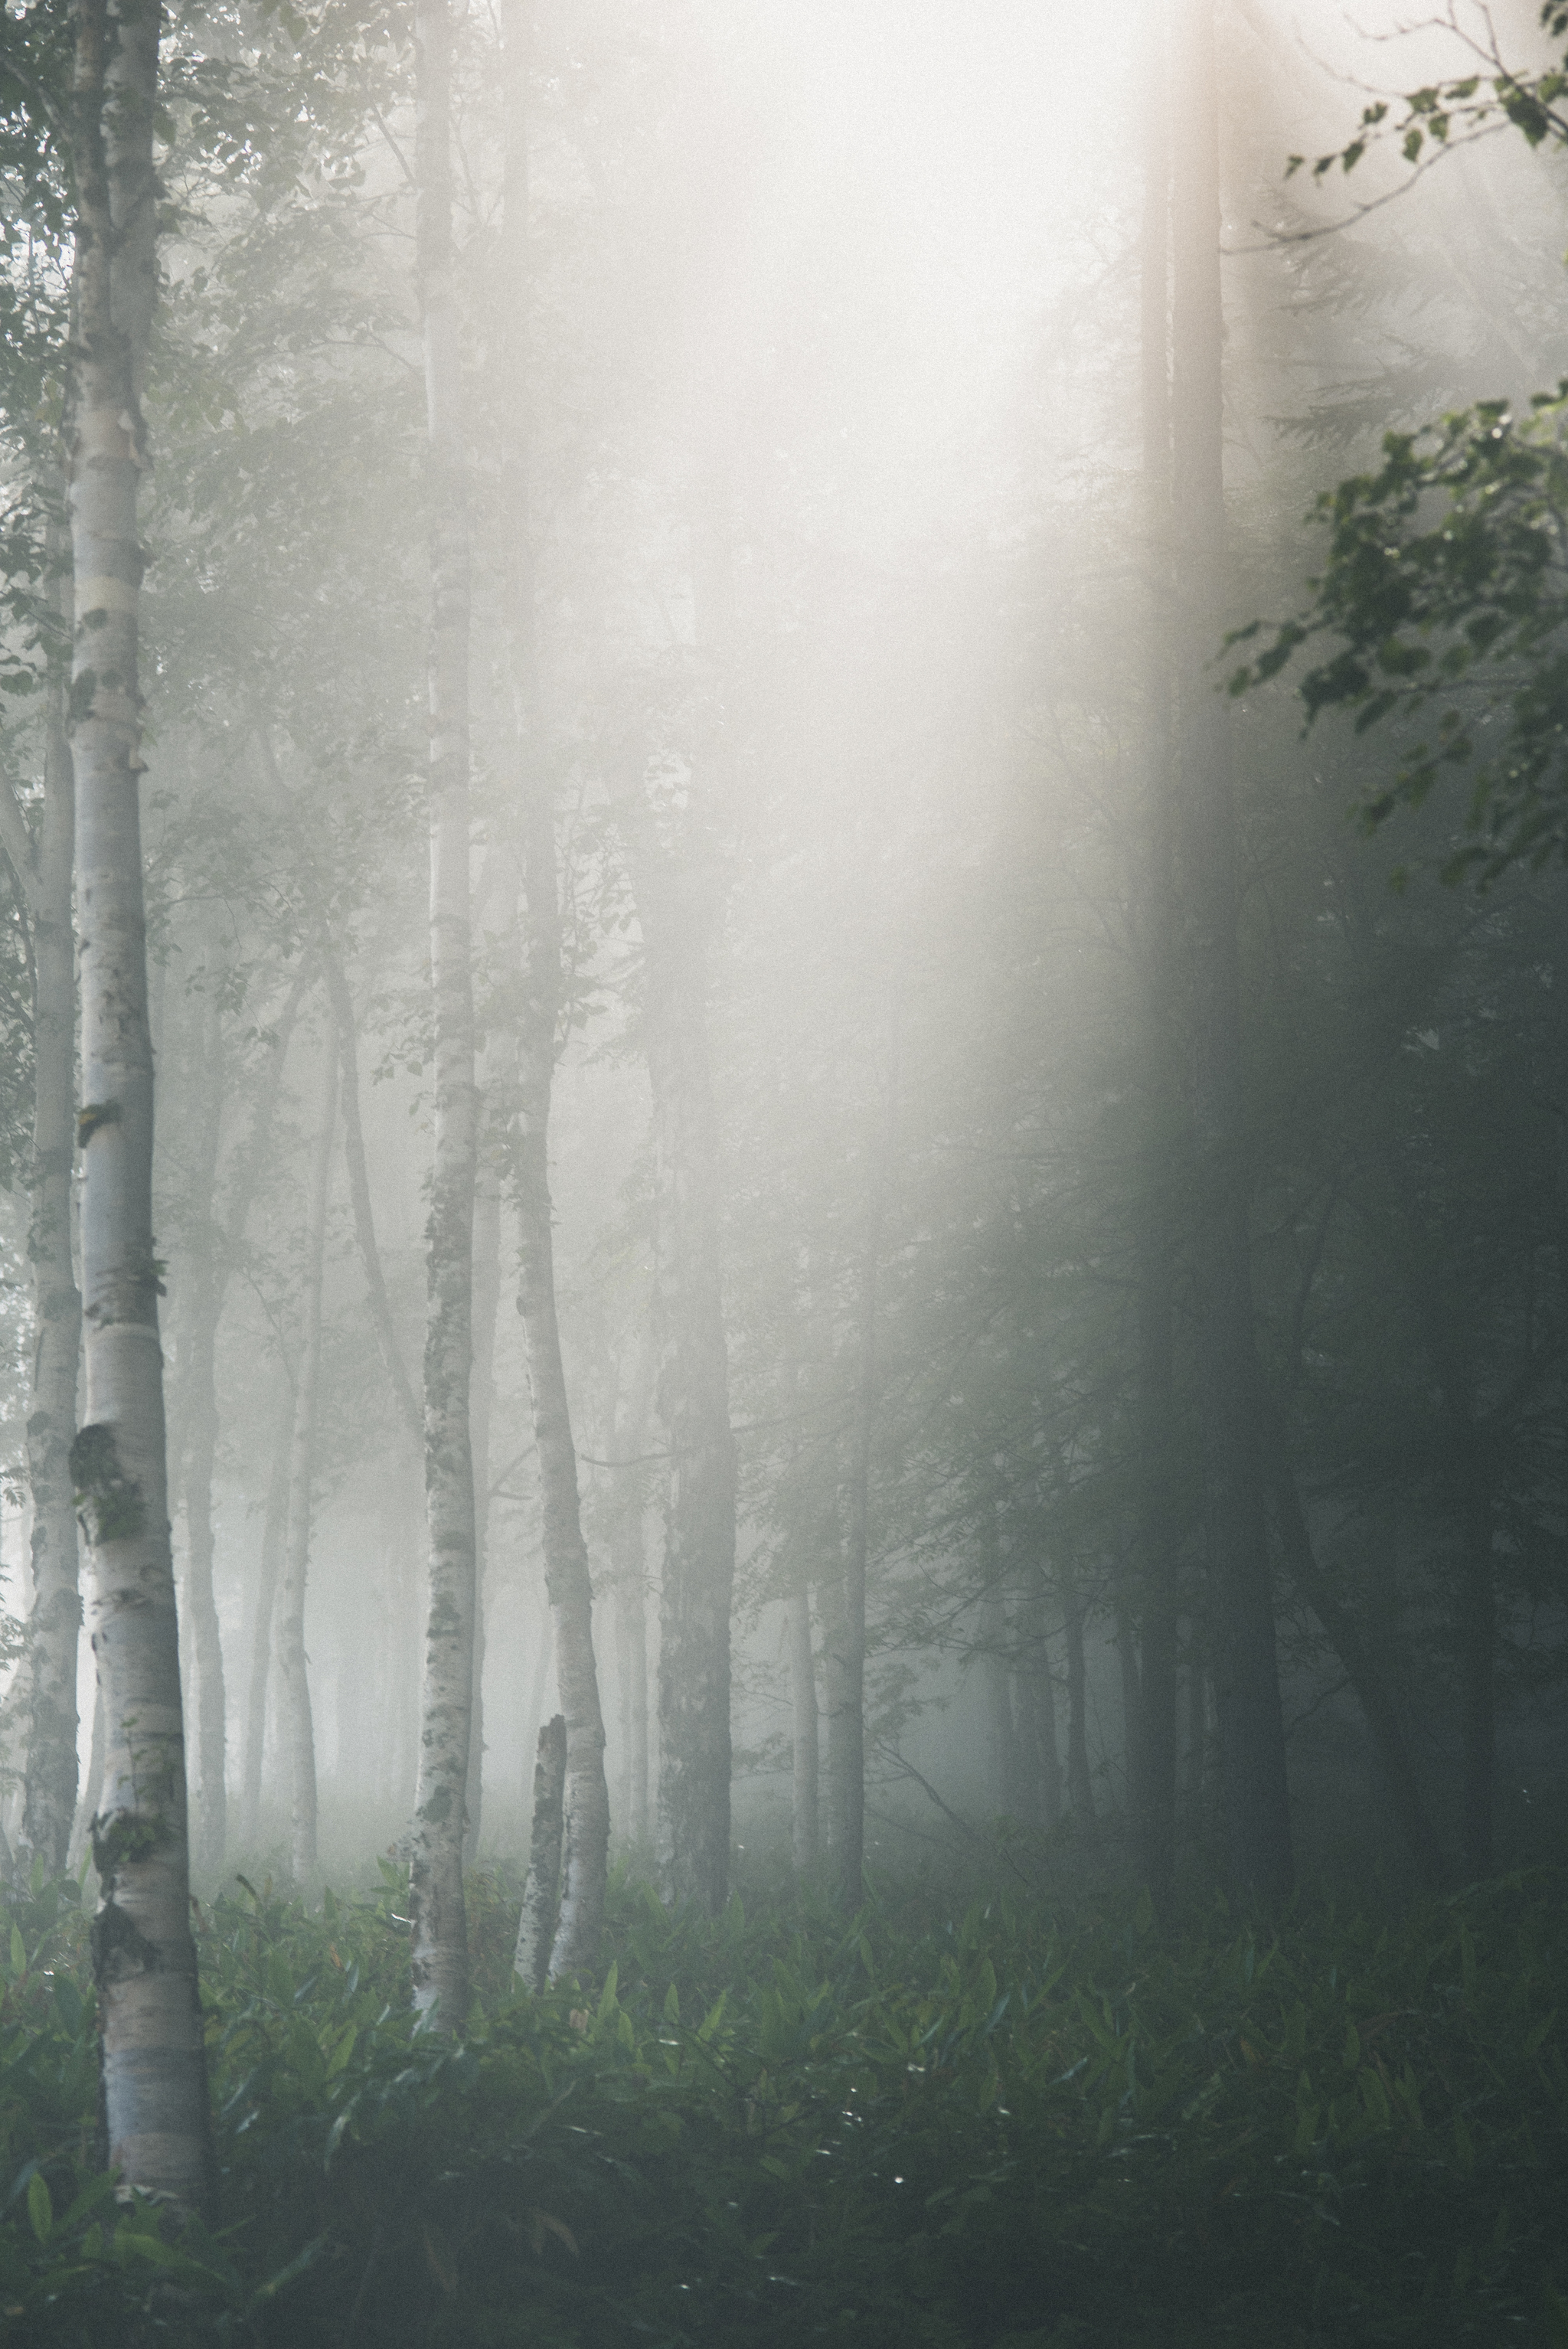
154,2067
54,1625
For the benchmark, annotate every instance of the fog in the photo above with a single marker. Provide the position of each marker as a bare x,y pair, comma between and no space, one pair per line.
822,352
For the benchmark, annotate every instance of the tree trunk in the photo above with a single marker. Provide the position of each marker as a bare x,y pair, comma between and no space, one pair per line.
54,1625
487,1300
152,2058
1080,1785
274,1525
1371,1689
1041,1768
1477,1625
439,1957
1001,1744
294,1717
850,1682
1251,1734
88,1802
566,1574
803,1709
200,1399
213,1256
387,1344
536,1927
627,1570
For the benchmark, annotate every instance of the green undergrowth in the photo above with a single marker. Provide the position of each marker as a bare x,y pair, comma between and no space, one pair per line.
1009,2128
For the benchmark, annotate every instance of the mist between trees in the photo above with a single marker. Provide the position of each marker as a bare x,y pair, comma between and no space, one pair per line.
805,1195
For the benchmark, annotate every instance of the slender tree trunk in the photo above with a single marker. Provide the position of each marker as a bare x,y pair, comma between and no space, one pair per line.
1038,1706
88,1801
153,2059
439,1957
849,1686
200,1398
294,1714
1131,1704
1001,1737
803,1709
1371,1688
274,1527
1252,1734
566,1574
1080,1785
359,1197
627,1569
487,1300
1477,1625
54,1625
537,1928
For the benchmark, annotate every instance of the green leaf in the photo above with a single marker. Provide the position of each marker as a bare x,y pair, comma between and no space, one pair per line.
18,1953
40,2206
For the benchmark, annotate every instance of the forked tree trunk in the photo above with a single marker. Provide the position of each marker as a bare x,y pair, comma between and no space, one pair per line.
152,2057
585,1868
1251,1732
295,1721
54,1625
440,1954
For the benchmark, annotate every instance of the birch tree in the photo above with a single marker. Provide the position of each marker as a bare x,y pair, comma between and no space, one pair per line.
43,867
440,1976
586,1796
154,2067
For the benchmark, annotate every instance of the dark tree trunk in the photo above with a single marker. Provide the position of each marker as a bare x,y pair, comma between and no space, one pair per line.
1080,1785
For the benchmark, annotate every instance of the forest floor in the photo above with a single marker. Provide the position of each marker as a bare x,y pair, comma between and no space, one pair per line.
1009,2128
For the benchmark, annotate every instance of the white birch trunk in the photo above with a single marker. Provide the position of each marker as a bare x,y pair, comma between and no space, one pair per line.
54,1625
295,1722
537,1927
153,2065
587,1796
439,1957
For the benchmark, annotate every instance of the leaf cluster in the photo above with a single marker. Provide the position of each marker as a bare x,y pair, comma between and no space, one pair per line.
1002,2126
1444,597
